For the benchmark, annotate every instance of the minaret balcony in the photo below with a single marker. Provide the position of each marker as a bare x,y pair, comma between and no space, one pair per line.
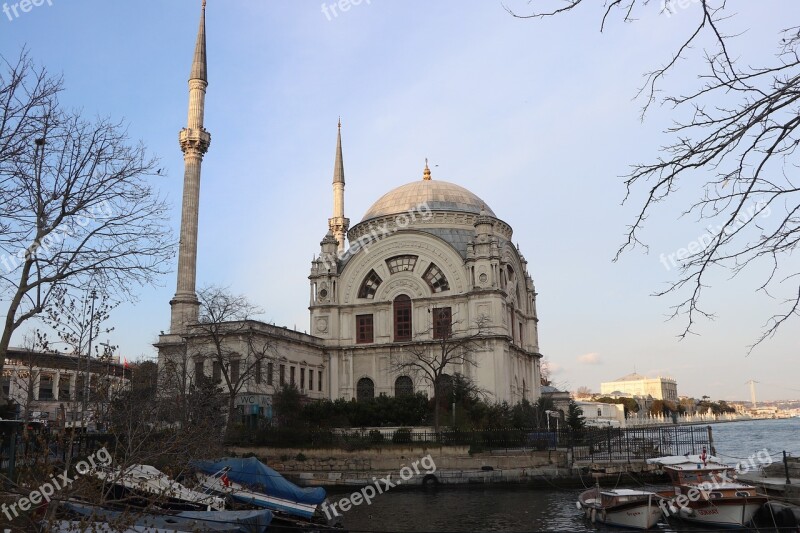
193,139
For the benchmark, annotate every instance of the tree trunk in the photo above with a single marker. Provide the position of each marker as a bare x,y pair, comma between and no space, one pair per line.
436,411
231,410
10,326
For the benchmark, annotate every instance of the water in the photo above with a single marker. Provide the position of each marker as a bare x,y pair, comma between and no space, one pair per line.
738,440
520,509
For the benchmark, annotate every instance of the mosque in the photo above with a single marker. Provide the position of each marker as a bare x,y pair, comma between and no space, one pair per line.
428,264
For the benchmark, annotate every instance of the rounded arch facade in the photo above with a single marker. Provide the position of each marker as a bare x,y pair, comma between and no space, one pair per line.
428,249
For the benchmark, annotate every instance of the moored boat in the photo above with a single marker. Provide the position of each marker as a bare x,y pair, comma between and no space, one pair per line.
144,484
706,491
635,509
214,521
251,482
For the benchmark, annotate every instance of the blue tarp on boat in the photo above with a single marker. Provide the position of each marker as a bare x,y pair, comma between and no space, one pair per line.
253,473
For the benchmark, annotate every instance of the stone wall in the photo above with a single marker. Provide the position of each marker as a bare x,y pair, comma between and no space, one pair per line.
453,464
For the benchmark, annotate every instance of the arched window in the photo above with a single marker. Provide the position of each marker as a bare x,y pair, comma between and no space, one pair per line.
444,386
403,386
402,318
370,285
401,263
365,389
436,279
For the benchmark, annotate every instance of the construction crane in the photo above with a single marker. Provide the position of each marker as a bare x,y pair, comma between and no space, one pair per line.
752,384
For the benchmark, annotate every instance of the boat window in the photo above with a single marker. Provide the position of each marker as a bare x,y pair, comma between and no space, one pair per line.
742,494
715,495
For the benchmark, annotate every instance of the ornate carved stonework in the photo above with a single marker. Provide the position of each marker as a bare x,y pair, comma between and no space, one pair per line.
382,225
194,141
428,248
322,324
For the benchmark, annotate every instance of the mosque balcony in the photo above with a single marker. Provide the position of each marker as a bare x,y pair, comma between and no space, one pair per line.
198,139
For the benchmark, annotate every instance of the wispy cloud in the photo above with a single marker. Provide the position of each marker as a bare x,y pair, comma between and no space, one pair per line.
591,358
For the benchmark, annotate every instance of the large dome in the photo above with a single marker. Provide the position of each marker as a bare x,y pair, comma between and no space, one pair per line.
437,195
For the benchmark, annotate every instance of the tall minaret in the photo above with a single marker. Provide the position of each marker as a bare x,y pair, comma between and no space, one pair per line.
338,225
194,141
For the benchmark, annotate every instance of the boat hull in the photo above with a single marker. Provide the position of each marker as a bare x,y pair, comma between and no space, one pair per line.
722,514
248,497
643,513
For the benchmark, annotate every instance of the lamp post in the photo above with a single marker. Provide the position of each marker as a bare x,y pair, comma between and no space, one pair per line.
86,387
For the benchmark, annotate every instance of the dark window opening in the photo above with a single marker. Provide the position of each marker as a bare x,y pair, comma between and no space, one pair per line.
402,318
435,279
403,386
364,329
365,389
401,263
370,285
442,323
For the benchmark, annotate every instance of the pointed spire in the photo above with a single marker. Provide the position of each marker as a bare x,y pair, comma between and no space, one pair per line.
199,65
338,166
426,174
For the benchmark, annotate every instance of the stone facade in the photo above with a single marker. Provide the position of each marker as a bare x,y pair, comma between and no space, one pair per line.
424,250
50,386
659,388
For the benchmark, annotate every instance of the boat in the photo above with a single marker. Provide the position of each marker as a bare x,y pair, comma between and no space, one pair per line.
706,491
636,509
251,482
256,521
144,484
74,526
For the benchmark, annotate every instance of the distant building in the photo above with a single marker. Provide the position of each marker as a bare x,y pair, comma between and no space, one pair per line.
560,398
659,388
598,414
50,386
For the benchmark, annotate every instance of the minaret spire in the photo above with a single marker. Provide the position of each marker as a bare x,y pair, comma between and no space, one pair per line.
194,141
338,224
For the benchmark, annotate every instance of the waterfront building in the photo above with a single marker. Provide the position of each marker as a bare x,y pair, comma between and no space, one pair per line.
560,398
598,414
50,387
429,263
659,388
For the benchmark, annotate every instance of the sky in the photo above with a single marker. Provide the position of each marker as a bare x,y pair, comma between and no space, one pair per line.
539,118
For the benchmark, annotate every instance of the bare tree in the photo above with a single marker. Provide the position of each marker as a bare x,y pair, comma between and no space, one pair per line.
737,135
451,349
76,209
227,336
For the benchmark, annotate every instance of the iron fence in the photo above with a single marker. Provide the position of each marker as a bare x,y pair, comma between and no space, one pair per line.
588,444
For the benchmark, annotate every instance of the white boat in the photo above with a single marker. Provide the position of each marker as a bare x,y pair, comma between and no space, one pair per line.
706,491
251,482
636,509
150,482
221,484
